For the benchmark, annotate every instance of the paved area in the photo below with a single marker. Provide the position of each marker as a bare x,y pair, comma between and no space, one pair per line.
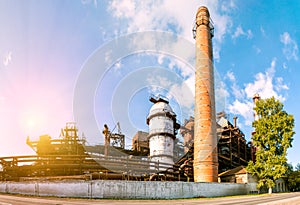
285,198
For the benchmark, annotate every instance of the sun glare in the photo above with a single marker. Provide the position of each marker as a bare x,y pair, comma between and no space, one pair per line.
31,123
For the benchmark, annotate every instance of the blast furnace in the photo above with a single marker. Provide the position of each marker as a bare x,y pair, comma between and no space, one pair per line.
162,131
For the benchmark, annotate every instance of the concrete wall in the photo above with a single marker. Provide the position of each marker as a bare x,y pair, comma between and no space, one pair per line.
124,189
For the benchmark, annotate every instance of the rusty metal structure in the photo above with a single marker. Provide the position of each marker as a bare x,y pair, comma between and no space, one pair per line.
140,143
233,148
69,143
205,139
69,158
113,139
187,131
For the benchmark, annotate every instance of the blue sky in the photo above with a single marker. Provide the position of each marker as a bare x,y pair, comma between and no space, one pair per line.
48,50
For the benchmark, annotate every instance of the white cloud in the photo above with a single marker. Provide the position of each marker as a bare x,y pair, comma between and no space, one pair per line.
285,38
159,81
280,85
163,15
7,59
108,57
249,34
284,65
118,65
94,2
221,94
265,84
227,6
240,32
235,89
160,59
184,94
245,109
290,46
123,8
180,89
184,70
257,49
230,76
262,30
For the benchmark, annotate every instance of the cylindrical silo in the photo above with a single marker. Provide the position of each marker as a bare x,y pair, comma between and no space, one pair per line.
162,131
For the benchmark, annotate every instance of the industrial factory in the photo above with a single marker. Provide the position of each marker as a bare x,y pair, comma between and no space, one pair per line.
211,143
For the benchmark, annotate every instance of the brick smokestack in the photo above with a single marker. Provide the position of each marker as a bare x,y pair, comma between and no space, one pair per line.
205,139
256,98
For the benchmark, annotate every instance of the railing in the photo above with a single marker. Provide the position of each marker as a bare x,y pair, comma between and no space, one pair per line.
54,165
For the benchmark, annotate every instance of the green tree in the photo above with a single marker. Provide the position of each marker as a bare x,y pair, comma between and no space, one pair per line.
297,167
273,136
293,180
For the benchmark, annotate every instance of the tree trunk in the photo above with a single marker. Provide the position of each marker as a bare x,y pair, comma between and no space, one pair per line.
270,190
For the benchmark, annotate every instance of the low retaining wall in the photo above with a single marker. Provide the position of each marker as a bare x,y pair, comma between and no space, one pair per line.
124,189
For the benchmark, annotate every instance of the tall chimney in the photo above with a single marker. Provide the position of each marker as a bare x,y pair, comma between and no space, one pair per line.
205,139
234,121
256,98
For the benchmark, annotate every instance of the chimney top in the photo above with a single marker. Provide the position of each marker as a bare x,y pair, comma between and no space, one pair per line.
256,97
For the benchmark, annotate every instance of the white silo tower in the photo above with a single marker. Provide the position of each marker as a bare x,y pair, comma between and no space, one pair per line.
162,131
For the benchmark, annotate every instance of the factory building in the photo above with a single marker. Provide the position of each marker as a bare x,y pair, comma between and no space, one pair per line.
140,143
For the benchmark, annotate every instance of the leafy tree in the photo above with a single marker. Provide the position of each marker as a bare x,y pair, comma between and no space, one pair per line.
293,180
273,136
297,167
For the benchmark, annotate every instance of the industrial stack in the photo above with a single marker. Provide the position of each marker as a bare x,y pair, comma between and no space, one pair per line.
256,98
205,141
